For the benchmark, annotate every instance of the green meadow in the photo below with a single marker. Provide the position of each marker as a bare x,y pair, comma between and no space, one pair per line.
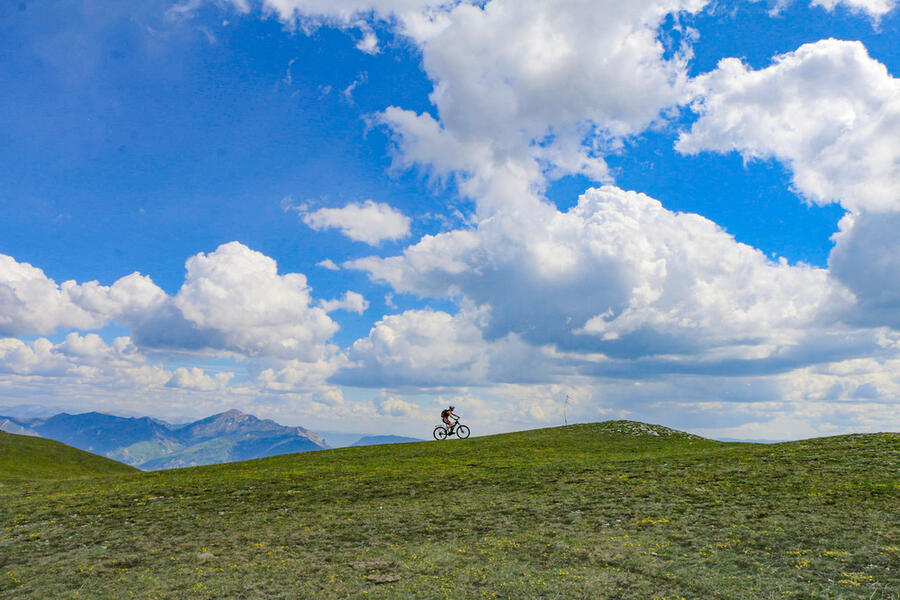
607,510
30,459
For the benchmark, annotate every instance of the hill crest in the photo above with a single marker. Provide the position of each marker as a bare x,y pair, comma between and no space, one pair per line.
30,458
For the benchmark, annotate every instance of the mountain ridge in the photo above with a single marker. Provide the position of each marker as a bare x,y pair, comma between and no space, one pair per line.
149,443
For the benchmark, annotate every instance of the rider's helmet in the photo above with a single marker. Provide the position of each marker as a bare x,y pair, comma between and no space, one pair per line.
452,407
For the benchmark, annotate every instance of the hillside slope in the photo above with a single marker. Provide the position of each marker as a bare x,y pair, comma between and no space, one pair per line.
100,433
607,510
27,458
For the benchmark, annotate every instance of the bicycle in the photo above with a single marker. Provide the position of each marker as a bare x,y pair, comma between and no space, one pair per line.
442,432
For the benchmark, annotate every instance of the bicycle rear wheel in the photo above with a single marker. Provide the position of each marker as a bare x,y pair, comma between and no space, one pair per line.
462,432
440,433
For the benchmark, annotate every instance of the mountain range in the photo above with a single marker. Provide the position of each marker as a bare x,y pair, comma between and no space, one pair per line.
152,444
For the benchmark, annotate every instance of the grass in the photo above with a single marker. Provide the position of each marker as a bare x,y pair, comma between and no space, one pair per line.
25,459
605,510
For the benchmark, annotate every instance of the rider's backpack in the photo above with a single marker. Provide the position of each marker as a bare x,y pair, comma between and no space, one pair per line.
444,413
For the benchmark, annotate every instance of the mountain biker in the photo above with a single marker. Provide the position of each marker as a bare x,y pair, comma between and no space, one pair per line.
445,417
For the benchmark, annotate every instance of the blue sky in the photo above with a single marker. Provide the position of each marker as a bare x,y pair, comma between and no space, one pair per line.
136,136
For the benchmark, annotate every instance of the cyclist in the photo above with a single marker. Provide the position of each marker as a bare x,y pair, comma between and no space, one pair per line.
445,417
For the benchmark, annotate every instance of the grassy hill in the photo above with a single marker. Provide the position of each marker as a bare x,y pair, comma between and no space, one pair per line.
26,458
608,510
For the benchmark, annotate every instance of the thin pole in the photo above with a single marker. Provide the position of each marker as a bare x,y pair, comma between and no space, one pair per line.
565,407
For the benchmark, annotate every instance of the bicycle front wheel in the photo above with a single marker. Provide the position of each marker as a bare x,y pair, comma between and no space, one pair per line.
440,433
462,432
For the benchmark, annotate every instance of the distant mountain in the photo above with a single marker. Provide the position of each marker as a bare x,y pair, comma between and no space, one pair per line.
17,426
232,436
153,444
101,433
374,440
341,439
28,411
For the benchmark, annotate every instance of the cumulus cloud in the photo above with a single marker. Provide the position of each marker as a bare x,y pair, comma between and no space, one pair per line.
394,406
617,274
368,43
328,264
428,348
280,375
531,88
234,300
827,110
369,222
32,303
832,114
83,358
196,379
351,302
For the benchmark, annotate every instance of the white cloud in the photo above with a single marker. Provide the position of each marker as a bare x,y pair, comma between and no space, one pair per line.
369,222
234,300
292,375
394,406
833,115
419,345
368,43
427,348
617,274
874,8
196,379
351,302
543,67
347,92
827,109
85,359
528,89
328,264
32,303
